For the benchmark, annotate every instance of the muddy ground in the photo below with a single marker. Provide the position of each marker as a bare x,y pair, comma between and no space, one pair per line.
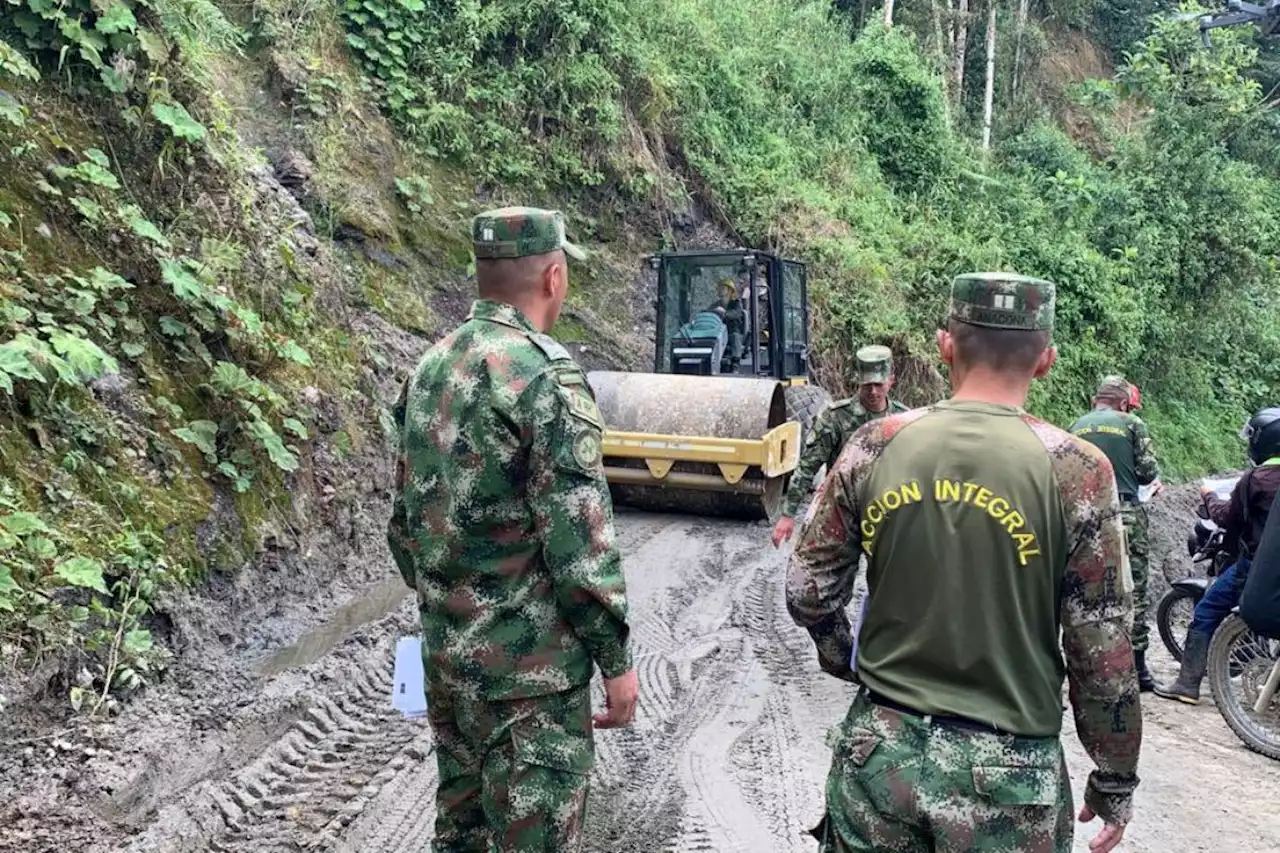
281,738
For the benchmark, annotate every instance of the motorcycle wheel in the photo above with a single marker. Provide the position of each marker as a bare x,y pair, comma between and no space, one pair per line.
1236,648
1173,615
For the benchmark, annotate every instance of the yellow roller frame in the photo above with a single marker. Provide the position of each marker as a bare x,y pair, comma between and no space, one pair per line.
775,454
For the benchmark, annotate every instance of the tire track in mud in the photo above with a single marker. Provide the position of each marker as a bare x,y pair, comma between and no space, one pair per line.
710,763
723,776
315,781
303,790
402,818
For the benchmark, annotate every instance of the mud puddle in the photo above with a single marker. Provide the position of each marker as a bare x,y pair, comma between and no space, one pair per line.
319,641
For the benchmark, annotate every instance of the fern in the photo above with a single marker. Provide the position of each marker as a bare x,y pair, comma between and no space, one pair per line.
199,25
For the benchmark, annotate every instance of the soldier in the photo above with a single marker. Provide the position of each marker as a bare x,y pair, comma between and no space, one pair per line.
986,531
1116,431
832,428
503,525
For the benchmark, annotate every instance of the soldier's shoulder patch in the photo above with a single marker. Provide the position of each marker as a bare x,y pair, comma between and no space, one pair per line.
578,397
550,347
587,448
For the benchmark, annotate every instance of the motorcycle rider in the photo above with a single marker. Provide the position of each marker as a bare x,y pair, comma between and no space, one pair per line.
1242,519
1122,436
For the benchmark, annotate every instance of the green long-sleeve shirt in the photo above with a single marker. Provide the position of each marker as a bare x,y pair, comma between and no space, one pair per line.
831,429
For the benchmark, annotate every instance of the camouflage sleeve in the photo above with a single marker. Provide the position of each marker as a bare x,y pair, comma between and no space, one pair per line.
820,447
1097,610
399,538
573,513
1144,456
824,564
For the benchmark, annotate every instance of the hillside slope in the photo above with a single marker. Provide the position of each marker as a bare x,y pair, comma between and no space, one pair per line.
227,230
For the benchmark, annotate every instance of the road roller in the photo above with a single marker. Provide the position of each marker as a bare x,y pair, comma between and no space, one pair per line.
716,428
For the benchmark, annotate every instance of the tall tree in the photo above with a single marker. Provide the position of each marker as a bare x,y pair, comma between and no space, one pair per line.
1017,48
943,48
959,45
988,102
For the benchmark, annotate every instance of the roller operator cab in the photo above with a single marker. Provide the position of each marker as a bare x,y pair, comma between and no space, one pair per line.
716,427
764,304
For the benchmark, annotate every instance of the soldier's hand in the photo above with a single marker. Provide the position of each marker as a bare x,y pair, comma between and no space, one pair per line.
782,530
1105,840
620,697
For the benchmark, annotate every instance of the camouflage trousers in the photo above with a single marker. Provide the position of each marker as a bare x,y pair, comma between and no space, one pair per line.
1135,527
513,775
906,784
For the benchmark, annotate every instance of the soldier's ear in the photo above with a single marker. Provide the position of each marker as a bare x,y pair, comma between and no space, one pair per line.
946,346
555,280
1047,360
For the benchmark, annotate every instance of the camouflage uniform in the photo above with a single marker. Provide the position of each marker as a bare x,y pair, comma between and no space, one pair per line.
503,525
987,533
833,426
1124,438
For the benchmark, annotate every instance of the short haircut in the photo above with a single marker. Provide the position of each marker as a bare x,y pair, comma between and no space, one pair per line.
1111,395
510,279
1011,351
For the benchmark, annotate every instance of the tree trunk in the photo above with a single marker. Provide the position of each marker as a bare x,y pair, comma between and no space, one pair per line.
943,53
951,27
1017,48
961,43
888,13
989,100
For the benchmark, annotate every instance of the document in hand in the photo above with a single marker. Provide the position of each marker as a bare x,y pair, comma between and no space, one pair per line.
857,626
408,691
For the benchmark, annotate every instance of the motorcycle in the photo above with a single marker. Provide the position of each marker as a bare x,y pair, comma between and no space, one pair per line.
1244,676
1204,545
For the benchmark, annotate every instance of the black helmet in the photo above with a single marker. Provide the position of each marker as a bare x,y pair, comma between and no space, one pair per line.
1263,434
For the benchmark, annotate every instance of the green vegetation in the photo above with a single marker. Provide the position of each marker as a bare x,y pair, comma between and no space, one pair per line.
164,333
840,145
150,348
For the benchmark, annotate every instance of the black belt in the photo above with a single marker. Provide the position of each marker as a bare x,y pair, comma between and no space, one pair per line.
940,719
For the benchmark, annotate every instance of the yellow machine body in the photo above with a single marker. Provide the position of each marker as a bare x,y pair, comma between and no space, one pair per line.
710,445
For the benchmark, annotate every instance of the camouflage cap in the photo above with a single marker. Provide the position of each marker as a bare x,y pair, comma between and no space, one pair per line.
517,232
1002,300
875,364
1114,386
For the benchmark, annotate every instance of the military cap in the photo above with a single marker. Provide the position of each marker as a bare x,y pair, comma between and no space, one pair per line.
1002,300
1114,386
517,232
875,364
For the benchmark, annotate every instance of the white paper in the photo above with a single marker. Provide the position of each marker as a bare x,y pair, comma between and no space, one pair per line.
1221,486
408,690
857,626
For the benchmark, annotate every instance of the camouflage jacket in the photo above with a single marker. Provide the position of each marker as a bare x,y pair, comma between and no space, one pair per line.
831,429
502,519
1083,545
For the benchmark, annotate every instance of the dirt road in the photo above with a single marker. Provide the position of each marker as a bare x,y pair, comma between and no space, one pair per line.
727,753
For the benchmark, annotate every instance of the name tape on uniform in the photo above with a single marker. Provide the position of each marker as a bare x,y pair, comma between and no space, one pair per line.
1101,428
